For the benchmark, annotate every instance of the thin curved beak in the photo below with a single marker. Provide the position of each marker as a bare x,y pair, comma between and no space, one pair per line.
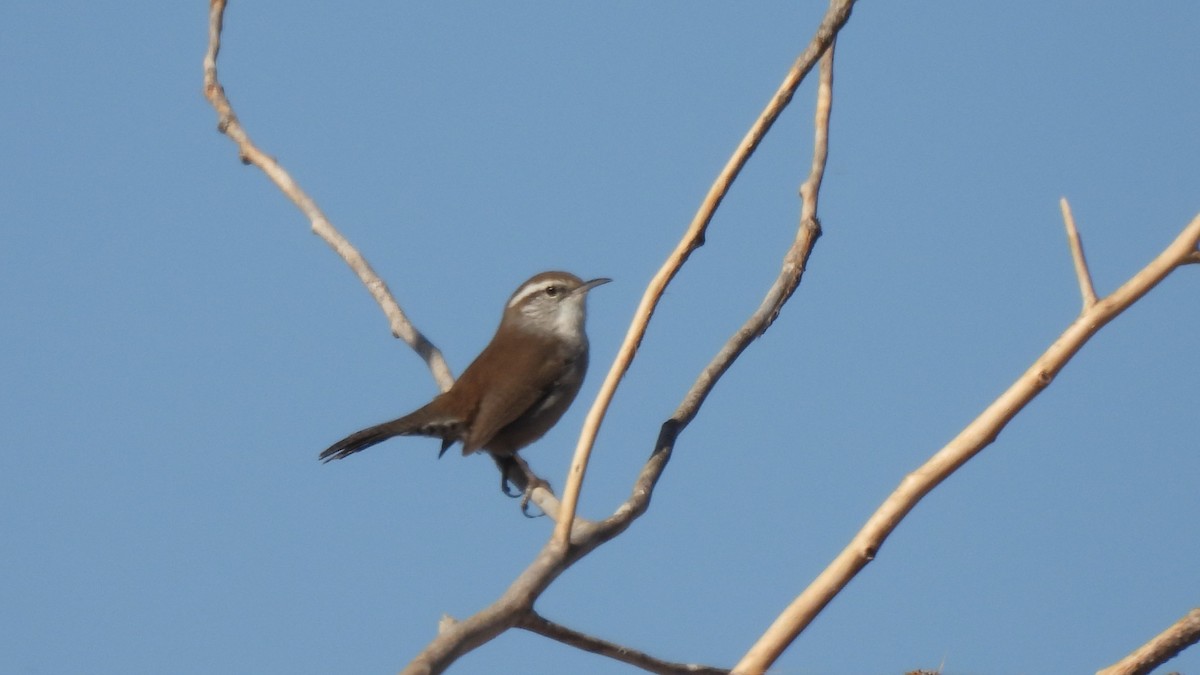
589,285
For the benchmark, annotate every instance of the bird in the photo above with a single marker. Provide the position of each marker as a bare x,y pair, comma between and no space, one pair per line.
516,389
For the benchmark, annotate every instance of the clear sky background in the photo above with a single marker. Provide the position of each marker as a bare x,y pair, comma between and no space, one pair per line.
177,347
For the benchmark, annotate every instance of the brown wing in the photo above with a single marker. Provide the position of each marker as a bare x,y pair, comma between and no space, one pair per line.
540,363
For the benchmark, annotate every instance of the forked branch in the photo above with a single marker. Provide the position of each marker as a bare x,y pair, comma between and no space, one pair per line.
974,438
1081,267
835,18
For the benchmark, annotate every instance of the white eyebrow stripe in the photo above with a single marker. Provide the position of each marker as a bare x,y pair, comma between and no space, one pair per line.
528,290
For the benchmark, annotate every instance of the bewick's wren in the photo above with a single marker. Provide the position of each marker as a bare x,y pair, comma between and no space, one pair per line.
519,385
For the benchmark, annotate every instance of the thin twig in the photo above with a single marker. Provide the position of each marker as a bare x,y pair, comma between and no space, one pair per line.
974,438
228,124
810,190
1160,649
535,623
836,17
1081,267
794,261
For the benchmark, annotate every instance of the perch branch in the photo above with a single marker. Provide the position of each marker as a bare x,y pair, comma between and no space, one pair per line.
535,623
1081,267
835,17
974,438
1160,649
228,124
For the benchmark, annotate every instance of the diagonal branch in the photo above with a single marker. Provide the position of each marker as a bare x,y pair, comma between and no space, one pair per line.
1160,649
536,623
835,18
1081,267
228,124
974,438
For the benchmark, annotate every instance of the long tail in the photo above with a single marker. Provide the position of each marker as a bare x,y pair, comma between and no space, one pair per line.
361,440
424,422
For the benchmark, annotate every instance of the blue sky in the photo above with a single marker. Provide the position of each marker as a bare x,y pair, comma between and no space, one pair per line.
177,347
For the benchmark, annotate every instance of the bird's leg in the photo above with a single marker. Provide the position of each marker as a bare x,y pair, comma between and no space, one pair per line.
532,482
506,464
523,478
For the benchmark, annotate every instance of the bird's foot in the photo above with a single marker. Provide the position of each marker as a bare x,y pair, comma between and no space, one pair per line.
507,466
532,483
514,471
511,494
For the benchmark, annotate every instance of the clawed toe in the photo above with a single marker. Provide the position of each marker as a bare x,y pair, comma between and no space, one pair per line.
533,484
504,484
512,467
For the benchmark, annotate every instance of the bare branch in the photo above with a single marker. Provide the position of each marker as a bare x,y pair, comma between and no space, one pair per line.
1162,648
228,124
1081,267
835,17
810,190
974,438
535,623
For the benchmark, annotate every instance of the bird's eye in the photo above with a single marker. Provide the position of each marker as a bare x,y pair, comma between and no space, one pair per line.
553,291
